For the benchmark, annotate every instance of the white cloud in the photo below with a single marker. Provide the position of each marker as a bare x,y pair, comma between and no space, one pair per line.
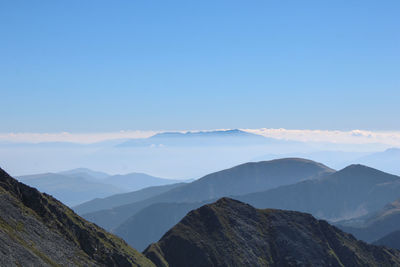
330,136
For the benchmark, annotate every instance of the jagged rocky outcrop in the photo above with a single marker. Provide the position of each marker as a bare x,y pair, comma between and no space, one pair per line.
38,230
231,233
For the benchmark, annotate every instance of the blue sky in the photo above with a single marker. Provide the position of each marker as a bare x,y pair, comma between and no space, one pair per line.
93,65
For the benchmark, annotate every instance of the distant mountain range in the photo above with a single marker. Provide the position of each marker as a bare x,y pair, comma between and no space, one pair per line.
242,179
123,199
351,192
76,186
231,233
38,230
391,240
70,189
202,138
292,184
375,225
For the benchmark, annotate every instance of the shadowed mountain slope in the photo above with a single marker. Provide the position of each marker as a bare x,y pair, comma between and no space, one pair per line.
391,240
378,224
239,180
351,192
136,181
146,227
123,199
38,230
231,233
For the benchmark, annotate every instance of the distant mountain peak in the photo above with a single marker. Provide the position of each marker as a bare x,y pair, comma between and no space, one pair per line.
215,133
360,169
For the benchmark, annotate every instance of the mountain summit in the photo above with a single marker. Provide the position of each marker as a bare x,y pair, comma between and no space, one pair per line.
231,233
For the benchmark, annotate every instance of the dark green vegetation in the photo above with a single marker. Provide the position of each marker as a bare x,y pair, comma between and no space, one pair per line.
38,230
239,180
231,233
351,192
376,225
122,199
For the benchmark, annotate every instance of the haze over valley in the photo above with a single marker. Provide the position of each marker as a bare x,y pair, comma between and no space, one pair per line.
200,133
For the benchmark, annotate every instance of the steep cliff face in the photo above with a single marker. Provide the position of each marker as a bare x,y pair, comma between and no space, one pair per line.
38,230
231,233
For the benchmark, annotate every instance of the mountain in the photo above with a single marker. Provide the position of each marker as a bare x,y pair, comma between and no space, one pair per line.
351,192
122,199
85,172
391,240
388,160
71,189
377,224
145,227
231,233
136,181
38,230
202,138
239,180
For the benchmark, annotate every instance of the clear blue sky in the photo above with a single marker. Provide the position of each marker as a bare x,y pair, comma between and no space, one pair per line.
93,65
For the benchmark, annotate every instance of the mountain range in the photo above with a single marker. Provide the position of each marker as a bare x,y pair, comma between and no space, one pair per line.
375,225
202,138
242,179
333,195
38,230
232,233
76,186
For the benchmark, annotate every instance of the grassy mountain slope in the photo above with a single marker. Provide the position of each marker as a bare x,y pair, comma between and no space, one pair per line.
231,233
38,230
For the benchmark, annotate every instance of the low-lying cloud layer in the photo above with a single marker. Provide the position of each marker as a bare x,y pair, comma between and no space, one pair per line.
328,136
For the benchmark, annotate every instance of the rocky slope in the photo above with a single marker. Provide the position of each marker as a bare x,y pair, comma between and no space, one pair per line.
231,233
38,230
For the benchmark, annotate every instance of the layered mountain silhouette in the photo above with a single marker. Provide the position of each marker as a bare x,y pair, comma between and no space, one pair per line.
348,193
239,180
71,189
231,233
387,160
351,192
38,230
123,199
376,225
76,186
391,240
146,227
